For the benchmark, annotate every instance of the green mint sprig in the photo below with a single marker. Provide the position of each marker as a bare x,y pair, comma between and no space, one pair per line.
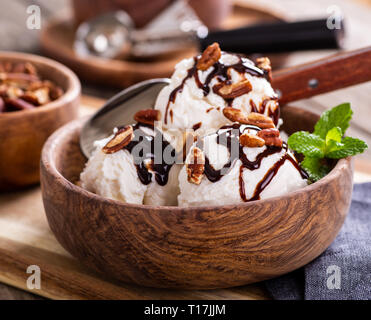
326,142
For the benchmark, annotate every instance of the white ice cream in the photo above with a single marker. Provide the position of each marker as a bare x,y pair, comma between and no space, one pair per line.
115,176
191,107
186,104
227,189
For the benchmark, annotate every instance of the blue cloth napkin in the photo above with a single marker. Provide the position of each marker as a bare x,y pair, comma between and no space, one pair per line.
343,271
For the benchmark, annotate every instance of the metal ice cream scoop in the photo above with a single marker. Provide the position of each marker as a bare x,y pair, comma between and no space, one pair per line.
119,111
113,35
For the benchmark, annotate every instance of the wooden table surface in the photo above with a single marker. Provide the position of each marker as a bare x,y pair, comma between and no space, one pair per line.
16,37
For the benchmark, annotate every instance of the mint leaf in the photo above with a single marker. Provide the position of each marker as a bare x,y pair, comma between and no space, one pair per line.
326,142
349,147
338,116
333,140
308,144
334,134
315,168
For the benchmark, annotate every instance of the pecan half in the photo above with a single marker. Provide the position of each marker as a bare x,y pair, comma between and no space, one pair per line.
251,140
209,57
121,139
147,116
234,90
196,167
254,118
271,137
260,120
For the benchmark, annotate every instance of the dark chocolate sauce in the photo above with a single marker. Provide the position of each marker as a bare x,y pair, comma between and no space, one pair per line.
157,164
253,106
197,126
271,174
227,136
221,72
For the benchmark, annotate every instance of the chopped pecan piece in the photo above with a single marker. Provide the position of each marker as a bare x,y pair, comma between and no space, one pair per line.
251,140
30,97
265,64
55,92
271,137
42,95
196,167
234,90
121,139
209,57
30,68
38,97
148,116
149,165
13,92
235,115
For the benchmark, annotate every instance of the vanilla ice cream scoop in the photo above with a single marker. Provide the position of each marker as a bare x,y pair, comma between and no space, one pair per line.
238,163
130,167
197,95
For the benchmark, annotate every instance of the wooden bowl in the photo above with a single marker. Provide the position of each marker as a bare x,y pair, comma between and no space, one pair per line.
23,133
191,248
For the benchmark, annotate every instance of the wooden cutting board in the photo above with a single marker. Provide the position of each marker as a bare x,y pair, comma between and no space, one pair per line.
25,239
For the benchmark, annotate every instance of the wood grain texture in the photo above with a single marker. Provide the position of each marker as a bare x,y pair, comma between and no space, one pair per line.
191,248
26,239
57,42
332,73
23,133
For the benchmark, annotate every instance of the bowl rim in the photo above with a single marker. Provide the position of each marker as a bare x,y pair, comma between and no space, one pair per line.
49,166
71,93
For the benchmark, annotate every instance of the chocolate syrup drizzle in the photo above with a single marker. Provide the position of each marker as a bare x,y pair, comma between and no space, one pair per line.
221,72
227,136
158,166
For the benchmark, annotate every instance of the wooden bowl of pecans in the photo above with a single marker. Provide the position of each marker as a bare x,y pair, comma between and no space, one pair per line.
37,96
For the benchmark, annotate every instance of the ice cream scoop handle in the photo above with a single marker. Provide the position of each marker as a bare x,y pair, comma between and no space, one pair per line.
328,74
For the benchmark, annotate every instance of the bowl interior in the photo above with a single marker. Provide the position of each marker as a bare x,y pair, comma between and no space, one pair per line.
70,161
